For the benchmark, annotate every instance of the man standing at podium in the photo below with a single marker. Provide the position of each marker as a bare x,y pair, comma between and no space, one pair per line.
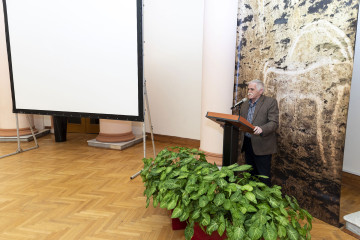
262,112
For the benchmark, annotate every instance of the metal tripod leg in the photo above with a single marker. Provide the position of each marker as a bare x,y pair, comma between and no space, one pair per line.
19,150
144,130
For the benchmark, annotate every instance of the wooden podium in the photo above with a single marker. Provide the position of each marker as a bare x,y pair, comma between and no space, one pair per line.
232,125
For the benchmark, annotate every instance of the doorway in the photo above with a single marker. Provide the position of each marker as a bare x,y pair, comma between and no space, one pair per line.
83,125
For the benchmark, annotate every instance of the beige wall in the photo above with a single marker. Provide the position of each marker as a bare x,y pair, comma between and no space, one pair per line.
220,18
173,65
352,150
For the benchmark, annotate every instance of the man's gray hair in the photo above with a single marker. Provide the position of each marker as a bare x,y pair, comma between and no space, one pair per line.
259,84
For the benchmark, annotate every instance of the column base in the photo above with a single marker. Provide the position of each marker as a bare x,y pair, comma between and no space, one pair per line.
122,137
13,132
213,157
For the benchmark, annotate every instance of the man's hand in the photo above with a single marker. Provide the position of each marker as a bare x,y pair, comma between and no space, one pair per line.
257,130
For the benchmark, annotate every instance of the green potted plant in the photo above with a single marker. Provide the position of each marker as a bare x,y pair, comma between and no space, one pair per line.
227,201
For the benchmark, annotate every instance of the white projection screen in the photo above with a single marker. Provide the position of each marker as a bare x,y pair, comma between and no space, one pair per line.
76,58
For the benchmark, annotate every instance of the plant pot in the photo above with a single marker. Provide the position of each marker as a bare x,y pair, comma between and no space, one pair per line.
199,234
176,224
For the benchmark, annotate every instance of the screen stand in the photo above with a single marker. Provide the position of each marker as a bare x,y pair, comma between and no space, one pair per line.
144,129
19,149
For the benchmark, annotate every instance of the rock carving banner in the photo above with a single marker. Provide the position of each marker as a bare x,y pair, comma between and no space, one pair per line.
303,50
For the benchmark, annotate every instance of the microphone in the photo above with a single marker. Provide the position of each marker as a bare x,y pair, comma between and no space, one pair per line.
240,102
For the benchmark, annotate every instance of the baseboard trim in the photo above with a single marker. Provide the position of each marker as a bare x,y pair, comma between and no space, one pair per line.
352,172
350,179
175,140
351,233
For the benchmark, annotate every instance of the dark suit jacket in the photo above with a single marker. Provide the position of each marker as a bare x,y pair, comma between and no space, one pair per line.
266,116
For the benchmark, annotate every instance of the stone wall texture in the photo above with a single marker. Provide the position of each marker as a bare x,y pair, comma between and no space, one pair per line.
303,51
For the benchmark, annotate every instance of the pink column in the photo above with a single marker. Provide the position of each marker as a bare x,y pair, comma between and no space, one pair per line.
115,131
219,44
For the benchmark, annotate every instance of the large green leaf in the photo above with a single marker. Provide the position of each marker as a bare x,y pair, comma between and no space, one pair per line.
269,233
255,232
227,204
273,202
221,174
264,206
163,176
196,213
189,232
156,201
261,184
239,232
195,196
152,190
251,197
292,233
163,204
219,199
236,197
203,201
191,188
169,169
221,229
169,195
247,187
177,212
158,170
244,201
262,219
210,177
281,231
212,188
192,179
290,202
186,202
185,215
260,194
242,168
211,196
297,207
232,166
250,208
205,171
213,226
172,204
183,175
236,214
276,191
232,187
187,160
243,209
203,188
282,220
221,182
171,184
184,168
230,174
283,211
205,219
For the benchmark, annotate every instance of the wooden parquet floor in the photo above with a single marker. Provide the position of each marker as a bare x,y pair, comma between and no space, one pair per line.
71,191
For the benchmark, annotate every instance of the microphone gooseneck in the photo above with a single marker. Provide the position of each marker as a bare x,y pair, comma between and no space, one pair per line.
239,103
